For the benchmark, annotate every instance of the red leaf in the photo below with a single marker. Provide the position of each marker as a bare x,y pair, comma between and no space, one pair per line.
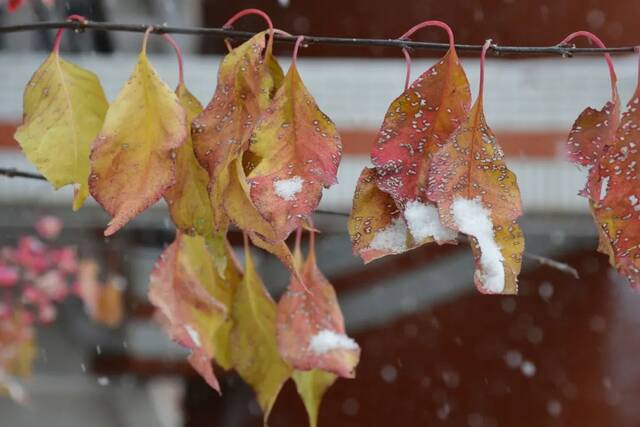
592,133
311,332
417,123
618,212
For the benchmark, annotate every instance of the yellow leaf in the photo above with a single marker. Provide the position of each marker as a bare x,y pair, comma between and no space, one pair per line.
311,386
253,338
229,283
188,198
245,215
219,250
247,79
375,225
64,107
133,158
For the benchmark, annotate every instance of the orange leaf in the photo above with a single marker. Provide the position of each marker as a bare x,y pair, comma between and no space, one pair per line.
375,225
296,150
133,158
110,310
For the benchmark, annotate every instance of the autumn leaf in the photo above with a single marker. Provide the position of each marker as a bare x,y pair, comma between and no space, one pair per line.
416,125
239,206
102,302
478,195
247,79
605,143
311,332
133,159
378,228
188,198
311,386
231,280
64,108
182,286
296,151
255,353
594,130
617,209
391,212
18,354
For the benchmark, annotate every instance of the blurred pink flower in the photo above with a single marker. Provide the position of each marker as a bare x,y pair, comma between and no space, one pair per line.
8,276
65,259
49,227
31,254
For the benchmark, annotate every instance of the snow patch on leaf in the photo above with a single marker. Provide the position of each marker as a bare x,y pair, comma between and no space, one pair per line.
327,340
393,238
474,219
193,334
424,222
288,188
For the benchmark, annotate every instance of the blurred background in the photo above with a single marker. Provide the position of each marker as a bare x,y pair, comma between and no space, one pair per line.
434,351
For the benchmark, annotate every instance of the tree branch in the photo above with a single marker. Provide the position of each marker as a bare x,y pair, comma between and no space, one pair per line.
15,173
562,50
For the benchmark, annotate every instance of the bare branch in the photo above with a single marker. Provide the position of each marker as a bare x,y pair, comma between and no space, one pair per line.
562,50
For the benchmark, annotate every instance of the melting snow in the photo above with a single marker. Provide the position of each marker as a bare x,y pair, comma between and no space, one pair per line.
193,334
474,219
423,221
327,340
288,188
393,238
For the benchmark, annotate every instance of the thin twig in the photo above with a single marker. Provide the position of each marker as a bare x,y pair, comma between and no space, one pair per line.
563,50
15,173
560,266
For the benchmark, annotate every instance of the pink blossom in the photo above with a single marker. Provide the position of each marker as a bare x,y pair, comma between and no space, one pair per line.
49,227
47,313
65,259
31,254
8,276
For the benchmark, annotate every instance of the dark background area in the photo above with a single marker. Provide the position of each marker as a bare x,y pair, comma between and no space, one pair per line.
507,22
